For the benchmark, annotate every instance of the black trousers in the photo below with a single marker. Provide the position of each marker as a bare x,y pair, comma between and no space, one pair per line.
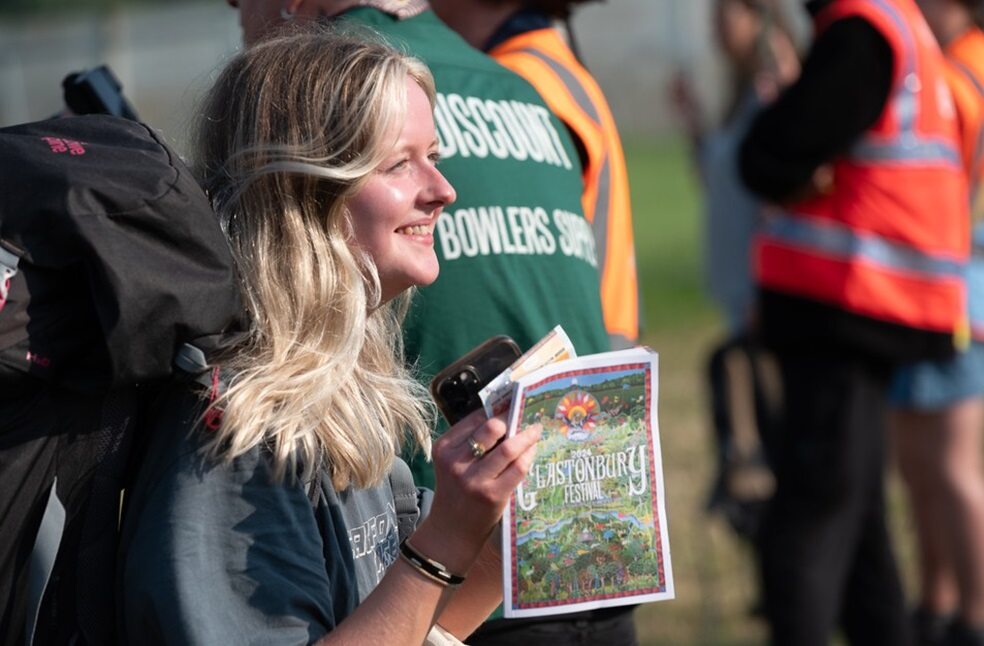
824,549
605,627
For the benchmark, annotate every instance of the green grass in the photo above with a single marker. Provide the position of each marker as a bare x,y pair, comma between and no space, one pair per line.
713,571
666,212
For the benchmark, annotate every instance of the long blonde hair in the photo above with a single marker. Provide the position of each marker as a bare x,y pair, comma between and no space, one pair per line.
291,130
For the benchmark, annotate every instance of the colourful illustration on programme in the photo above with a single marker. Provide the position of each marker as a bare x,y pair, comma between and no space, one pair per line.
585,525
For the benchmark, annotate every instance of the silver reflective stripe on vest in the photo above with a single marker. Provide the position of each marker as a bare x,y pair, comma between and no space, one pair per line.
840,242
977,169
573,84
966,71
907,147
599,219
43,558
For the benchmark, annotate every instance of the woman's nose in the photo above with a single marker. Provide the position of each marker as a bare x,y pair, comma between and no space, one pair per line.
442,190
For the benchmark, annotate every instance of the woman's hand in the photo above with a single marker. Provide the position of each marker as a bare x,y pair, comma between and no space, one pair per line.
472,488
685,102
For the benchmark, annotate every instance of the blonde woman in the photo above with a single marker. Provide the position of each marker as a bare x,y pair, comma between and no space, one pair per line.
280,526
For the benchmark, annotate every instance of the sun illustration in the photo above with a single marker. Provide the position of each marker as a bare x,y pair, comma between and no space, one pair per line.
579,411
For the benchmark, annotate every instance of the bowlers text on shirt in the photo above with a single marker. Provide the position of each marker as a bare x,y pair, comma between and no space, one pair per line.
475,127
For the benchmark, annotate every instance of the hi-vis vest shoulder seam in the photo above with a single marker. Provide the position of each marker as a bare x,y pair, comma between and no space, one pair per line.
976,82
544,59
965,75
891,240
966,58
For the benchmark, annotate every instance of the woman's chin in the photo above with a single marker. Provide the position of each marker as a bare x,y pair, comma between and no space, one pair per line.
391,291
426,275
429,280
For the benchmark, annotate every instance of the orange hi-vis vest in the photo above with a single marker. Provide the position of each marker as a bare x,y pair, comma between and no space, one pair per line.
965,75
891,240
543,58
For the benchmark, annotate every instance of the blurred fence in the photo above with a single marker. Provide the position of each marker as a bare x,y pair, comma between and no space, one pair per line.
166,54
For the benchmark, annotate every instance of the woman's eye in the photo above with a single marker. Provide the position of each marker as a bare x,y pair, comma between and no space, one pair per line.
398,165
435,158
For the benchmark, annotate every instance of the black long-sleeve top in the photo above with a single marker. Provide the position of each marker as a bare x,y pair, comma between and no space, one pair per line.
844,86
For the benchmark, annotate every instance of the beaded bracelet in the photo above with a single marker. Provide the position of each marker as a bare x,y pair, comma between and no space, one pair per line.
431,569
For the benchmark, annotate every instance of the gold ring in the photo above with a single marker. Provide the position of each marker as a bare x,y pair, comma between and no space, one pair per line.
477,448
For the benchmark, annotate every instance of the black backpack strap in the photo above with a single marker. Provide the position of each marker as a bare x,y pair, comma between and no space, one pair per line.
95,586
314,491
72,579
191,360
406,498
43,557
411,504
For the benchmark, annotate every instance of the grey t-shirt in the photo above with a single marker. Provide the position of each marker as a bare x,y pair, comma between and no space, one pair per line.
221,554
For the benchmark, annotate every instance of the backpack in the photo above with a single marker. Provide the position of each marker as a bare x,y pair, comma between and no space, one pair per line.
112,264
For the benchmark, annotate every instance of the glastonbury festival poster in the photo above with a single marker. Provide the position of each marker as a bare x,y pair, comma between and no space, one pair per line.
587,527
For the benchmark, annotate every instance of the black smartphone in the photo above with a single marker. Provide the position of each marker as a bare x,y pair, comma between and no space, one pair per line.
455,389
97,91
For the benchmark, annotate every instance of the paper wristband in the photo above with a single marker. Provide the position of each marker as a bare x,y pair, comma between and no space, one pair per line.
432,569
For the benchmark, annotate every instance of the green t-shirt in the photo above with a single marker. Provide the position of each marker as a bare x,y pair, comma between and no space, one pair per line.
517,256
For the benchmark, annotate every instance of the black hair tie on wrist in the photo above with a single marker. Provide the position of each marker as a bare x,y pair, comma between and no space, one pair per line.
432,569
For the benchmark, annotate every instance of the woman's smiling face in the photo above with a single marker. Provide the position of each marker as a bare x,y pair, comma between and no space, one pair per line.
394,213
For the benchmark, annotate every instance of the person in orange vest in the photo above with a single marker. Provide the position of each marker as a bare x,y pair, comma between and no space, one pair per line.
860,268
522,36
938,420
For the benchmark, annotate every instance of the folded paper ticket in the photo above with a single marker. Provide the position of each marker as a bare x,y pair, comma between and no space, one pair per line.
555,346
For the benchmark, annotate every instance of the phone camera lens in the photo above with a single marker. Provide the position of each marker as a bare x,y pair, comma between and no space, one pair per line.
468,378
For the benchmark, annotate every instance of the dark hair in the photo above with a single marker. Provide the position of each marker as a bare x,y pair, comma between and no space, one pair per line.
557,8
976,8
774,20
560,9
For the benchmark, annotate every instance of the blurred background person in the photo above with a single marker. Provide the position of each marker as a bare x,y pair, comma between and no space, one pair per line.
938,420
761,59
860,269
759,52
524,36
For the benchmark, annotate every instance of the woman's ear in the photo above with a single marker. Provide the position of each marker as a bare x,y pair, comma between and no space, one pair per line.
291,9
318,8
